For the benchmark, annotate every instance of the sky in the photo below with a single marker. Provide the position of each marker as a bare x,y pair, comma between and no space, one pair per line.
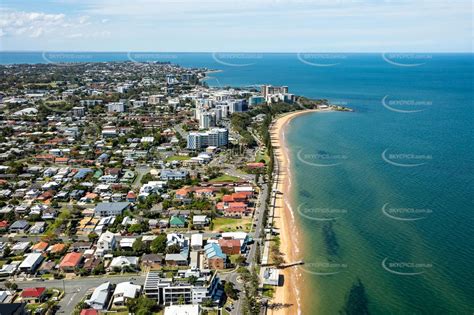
237,25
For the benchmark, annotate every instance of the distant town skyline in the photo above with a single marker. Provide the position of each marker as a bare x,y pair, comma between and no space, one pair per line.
239,26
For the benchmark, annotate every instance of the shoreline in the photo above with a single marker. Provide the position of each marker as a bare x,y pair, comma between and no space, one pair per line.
289,293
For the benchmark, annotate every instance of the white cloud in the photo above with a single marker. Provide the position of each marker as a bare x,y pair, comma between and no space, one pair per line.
40,24
242,25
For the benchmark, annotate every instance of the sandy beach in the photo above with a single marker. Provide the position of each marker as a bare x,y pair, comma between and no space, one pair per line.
288,294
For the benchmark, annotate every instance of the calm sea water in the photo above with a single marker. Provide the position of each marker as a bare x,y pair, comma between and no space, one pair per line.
383,194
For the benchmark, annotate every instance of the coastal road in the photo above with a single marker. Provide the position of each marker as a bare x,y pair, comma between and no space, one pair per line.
257,220
75,289
255,234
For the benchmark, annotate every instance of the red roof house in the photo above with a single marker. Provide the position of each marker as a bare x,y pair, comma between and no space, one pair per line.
131,196
233,209
33,294
230,246
70,261
3,225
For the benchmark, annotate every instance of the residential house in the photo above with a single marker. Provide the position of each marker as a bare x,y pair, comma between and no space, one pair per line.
47,267
230,246
70,262
90,263
20,247
177,222
122,262
152,261
6,297
80,246
214,257
189,309
33,295
20,226
200,221
131,196
31,262
100,297
270,276
8,270
233,209
204,193
182,193
196,241
106,243
104,209
173,175
127,243
39,247
49,214
3,225
58,248
38,228
180,259
125,291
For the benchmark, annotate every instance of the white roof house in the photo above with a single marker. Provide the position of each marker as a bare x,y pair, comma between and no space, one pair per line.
175,238
271,276
106,241
243,189
100,296
127,242
31,262
124,291
196,241
124,261
183,309
200,220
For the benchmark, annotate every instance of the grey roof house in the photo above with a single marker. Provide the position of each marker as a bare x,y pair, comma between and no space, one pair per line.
105,209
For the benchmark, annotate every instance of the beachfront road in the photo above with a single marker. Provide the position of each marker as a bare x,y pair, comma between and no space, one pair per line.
257,220
75,289
256,234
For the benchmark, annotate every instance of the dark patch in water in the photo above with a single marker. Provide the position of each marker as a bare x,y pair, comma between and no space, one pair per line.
330,240
357,302
305,193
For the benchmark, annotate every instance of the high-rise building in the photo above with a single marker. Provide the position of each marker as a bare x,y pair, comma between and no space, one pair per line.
217,137
268,91
236,106
207,120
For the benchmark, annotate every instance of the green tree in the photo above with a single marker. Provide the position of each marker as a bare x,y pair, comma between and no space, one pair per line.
99,269
139,246
158,245
93,236
240,260
141,305
135,228
173,249
230,291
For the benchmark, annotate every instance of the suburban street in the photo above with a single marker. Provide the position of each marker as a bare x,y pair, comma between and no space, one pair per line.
75,289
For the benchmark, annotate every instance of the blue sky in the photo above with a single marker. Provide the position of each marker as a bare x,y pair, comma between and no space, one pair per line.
237,25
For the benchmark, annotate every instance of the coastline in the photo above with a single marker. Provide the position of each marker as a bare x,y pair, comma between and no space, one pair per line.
288,294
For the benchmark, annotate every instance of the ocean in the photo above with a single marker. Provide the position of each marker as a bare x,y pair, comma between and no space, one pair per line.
382,194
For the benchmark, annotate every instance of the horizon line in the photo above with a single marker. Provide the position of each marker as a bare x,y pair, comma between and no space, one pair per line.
241,52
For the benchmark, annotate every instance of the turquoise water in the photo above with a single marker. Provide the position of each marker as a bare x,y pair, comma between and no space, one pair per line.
395,176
